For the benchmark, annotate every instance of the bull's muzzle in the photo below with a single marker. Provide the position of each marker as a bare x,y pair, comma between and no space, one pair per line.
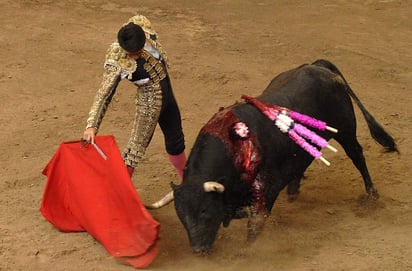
202,250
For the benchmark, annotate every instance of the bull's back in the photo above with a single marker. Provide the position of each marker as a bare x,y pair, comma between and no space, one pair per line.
312,90
309,89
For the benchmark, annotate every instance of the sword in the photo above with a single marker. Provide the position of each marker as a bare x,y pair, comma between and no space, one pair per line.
99,151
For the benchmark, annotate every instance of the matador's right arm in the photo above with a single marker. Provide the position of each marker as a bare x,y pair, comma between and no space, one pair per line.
113,72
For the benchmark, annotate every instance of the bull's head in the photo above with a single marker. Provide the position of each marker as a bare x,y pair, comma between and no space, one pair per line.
201,211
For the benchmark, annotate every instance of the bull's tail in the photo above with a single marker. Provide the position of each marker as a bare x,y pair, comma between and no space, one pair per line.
376,130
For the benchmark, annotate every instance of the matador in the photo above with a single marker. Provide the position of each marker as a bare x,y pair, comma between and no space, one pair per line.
138,56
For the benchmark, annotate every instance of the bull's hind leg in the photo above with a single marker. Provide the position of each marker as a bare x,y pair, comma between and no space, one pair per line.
354,151
293,189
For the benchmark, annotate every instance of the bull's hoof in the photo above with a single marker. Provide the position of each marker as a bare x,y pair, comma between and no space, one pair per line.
293,197
251,237
373,194
255,226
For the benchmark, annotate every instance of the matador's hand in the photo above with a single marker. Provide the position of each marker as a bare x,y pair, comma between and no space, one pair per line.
89,134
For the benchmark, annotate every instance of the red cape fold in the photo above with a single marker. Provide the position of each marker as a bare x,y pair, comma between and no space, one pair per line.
85,192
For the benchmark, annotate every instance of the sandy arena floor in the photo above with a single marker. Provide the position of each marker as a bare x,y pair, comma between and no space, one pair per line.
52,54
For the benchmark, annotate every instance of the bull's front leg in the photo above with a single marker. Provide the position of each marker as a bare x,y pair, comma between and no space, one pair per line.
258,211
255,225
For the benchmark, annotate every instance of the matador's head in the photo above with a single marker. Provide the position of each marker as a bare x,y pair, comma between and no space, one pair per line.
132,38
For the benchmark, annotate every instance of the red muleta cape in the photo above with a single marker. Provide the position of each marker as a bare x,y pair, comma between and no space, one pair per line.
85,192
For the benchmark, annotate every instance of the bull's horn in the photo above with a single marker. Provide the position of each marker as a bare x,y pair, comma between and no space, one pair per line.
164,201
213,187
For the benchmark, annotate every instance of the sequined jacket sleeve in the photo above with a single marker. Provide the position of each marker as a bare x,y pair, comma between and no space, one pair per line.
110,80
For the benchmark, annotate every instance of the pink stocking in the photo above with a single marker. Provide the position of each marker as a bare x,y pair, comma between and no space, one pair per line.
179,162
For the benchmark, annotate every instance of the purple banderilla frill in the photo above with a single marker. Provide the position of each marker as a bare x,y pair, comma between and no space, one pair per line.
287,122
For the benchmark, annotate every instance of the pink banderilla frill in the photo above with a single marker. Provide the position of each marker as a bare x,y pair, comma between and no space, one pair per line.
286,120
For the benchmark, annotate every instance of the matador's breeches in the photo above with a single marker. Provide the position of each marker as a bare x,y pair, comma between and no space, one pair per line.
148,107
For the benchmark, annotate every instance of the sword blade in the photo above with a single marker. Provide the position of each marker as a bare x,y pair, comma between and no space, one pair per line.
99,151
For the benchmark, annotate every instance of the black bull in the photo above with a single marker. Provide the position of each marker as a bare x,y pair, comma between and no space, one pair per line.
214,189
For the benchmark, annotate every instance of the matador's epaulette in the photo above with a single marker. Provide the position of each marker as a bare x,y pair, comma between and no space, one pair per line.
118,60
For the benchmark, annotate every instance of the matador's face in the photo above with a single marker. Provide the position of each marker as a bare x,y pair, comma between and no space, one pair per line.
135,55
